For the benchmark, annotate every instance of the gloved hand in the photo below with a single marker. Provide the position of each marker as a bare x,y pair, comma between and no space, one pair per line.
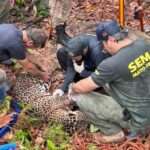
58,92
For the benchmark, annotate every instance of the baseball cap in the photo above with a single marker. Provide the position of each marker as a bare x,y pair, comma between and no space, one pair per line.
110,28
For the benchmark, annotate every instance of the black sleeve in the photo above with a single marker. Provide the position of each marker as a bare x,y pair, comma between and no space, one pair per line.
85,73
69,76
105,73
99,56
97,52
17,50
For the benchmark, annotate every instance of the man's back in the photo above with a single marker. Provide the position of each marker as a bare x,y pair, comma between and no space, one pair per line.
131,70
8,31
11,43
128,76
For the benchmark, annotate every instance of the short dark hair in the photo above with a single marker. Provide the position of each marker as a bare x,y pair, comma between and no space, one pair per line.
38,36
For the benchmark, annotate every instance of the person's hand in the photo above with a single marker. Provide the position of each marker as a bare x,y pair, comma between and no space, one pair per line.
58,92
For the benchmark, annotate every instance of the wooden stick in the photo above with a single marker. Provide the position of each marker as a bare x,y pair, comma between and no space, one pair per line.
141,17
121,13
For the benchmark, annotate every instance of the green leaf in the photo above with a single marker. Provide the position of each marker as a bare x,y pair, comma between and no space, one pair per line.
20,2
51,145
92,147
17,66
93,128
30,50
24,139
57,136
5,106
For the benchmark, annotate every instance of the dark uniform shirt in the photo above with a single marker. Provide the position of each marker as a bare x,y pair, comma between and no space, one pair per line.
128,75
11,43
91,60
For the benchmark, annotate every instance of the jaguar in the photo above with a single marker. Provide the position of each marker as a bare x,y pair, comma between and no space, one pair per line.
34,91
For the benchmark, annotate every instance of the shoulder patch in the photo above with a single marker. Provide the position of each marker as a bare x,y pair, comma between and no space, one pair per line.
97,72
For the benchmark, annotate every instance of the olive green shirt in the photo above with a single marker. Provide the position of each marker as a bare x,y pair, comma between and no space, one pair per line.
127,74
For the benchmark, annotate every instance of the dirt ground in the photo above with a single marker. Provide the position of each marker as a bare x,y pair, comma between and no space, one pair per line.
84,16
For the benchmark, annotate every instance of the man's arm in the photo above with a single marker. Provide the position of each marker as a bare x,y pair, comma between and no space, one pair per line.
85,73
102,75
84,85
29,67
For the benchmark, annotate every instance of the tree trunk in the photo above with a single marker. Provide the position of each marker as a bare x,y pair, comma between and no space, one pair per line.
59,10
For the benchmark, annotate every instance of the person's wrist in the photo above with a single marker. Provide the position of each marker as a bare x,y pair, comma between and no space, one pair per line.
71,89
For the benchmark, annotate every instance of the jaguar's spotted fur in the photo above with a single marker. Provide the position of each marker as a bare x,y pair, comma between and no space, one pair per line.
34,91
